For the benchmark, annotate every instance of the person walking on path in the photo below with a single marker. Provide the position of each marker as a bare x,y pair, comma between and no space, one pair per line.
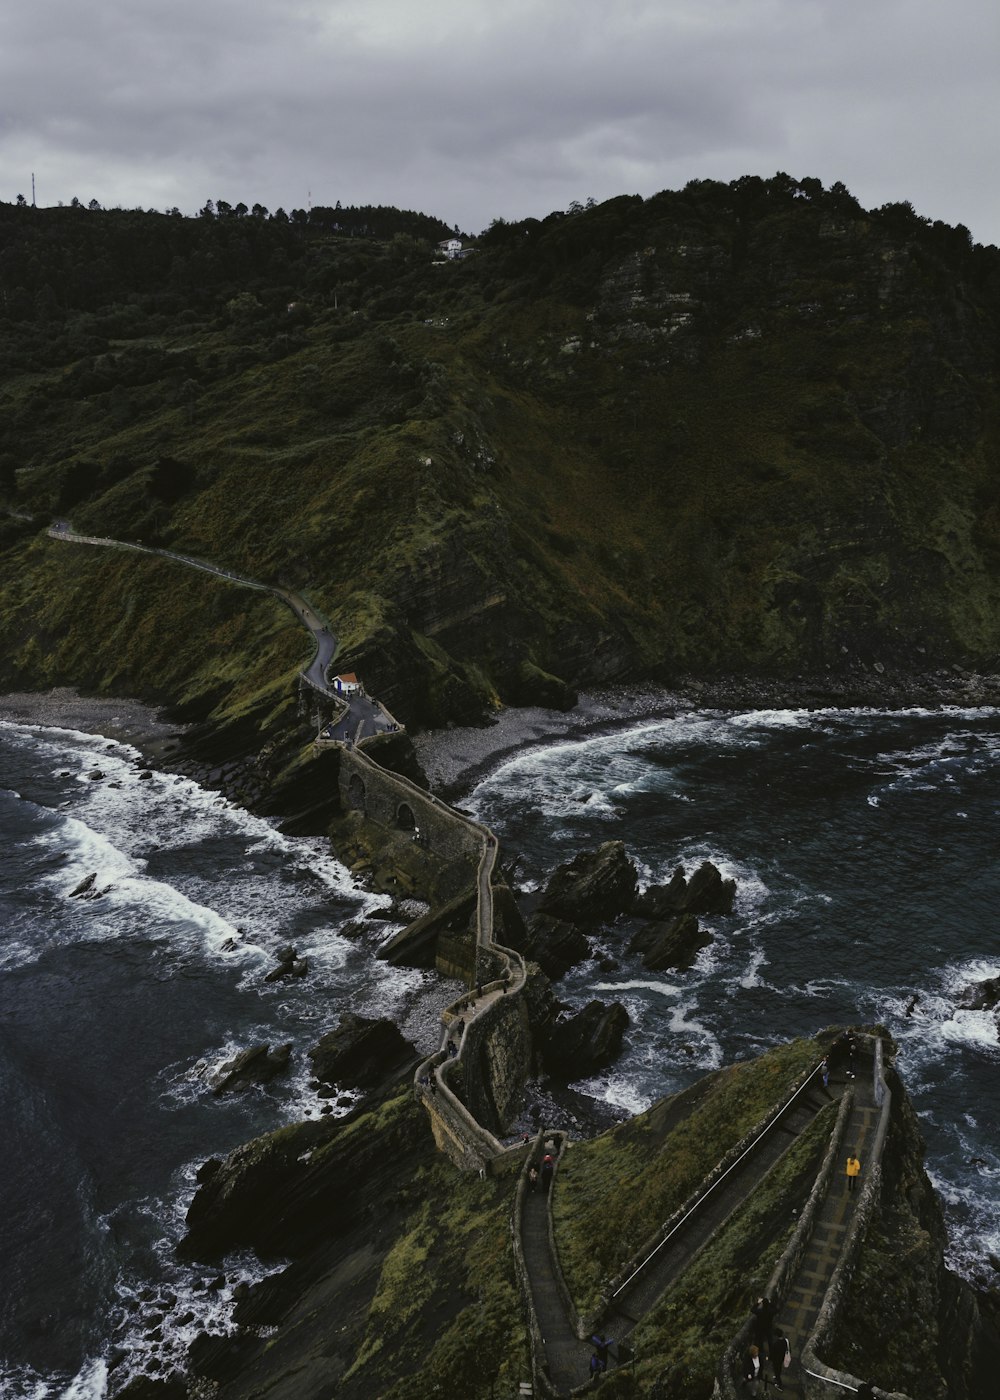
751,1371
532,1178
781,1356
601,1348
763,1321
853,1171
548,1167
824,1073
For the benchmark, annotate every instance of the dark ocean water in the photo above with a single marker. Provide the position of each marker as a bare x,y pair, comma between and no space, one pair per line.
864,846
113,1014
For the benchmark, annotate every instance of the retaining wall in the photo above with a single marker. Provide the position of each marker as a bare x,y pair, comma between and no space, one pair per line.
495,1062
826,1379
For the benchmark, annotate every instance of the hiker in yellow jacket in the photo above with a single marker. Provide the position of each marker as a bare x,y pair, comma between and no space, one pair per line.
853,1171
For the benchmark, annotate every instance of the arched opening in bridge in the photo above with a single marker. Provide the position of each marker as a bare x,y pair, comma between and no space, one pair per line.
356,794
405,819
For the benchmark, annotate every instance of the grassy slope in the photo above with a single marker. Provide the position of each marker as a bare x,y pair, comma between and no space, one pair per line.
616,1190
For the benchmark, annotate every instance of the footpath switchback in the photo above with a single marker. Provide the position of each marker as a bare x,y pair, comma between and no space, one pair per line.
563,1364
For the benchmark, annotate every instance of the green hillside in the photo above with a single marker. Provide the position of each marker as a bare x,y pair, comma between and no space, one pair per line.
734,428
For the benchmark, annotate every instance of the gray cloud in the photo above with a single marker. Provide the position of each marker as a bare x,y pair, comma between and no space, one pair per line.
473,110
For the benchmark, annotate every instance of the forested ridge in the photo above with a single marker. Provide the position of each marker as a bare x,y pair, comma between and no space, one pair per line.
746,427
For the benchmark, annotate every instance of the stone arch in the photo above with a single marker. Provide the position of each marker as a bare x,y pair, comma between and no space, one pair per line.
405,819
356,794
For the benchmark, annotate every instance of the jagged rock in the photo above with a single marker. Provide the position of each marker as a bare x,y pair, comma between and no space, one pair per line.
586,1042
981,996
554,944
257,1065
95,775
660,901
591,888
145,775
674,944
708,892
85,886
286,959
360,1052
280,1195
705,893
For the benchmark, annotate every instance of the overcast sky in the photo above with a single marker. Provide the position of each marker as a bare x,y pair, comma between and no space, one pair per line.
478,109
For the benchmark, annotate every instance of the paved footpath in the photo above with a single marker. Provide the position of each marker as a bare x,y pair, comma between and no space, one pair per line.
567,1357
808,1288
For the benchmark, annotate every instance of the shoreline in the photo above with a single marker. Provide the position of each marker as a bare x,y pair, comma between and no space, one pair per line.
126,720
455,760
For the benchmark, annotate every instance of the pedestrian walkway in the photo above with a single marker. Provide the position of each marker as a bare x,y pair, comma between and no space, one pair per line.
801,1305
566,1358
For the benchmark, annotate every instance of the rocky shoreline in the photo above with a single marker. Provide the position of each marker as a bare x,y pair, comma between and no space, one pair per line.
128,721
456,759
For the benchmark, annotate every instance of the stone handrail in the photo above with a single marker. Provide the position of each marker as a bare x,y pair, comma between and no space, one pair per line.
539,1356
787,1265
475,1146
840,1282
791,1256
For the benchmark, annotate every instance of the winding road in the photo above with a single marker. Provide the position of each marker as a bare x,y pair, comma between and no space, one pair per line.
359,717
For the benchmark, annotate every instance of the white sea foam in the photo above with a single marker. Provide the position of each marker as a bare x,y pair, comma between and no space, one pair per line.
618,1090
751,977
637,984
137,814
158,1317
975,1029
15,954
90,1383
24,1383
86,851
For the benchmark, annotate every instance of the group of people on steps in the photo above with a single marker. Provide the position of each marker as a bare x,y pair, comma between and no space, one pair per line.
770,1346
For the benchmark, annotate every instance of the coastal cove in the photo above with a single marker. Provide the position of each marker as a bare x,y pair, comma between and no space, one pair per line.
670,788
